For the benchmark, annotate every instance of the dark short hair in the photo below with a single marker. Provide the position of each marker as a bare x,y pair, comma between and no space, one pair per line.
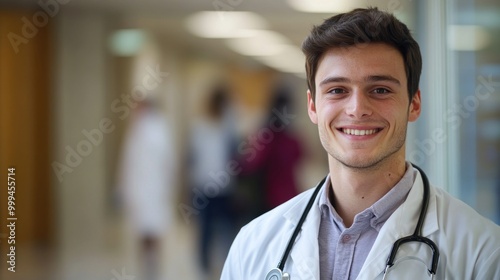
362,26
218,100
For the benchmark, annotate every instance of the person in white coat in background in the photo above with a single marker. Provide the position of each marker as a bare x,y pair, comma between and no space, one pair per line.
363,69
146,183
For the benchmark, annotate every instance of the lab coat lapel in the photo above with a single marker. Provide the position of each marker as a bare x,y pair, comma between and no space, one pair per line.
305,253
401,223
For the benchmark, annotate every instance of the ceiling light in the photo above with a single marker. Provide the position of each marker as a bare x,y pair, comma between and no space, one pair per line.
322,6
338,6
258,43
467,37
289,60
223,24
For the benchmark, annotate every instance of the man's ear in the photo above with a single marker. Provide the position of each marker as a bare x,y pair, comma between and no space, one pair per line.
311,108
415,107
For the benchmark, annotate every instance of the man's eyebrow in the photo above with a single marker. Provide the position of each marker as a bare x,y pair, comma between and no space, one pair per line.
334,80
383,78
373,78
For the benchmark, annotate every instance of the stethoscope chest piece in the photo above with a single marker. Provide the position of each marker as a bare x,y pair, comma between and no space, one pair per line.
277,274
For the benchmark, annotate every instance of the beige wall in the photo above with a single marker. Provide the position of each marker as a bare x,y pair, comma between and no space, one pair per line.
81,98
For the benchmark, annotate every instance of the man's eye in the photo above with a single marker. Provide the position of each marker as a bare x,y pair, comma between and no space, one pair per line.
336,91
380,90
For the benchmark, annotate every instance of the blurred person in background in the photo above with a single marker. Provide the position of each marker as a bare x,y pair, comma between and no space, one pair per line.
146,173
276,155
212,147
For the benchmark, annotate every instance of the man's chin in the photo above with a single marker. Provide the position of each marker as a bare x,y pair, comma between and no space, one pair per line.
357,163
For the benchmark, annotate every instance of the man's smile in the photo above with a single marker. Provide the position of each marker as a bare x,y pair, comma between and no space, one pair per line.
360,132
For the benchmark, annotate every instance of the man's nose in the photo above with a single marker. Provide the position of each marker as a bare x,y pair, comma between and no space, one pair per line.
358,105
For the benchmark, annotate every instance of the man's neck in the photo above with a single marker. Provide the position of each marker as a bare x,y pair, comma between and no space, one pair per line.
357,189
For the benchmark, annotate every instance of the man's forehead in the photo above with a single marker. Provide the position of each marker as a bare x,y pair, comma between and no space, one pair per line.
374,59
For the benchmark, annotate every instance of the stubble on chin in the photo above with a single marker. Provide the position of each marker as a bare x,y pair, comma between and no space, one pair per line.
361,163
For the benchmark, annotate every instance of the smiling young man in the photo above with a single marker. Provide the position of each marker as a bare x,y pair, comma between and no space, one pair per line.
363,70
362,108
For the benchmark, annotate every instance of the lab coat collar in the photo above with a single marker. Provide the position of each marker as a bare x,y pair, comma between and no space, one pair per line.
402,223
305,254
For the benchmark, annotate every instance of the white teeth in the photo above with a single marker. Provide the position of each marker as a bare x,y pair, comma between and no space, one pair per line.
358,132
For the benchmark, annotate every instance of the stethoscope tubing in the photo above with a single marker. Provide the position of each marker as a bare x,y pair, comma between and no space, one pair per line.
289,247
417,234
415,237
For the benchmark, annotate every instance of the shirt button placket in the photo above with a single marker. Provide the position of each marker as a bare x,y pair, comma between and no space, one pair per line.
346,238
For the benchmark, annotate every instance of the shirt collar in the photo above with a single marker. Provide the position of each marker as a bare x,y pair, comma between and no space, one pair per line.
381,210
384,207
324,200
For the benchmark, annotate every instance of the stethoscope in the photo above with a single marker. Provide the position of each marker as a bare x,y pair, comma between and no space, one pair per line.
278,274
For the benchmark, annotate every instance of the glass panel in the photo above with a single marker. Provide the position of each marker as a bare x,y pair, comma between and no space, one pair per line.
473,43
457,138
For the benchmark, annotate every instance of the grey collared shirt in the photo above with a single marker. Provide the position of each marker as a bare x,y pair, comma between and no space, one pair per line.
343,251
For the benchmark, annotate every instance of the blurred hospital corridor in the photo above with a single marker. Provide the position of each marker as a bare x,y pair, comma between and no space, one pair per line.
138,137
115,259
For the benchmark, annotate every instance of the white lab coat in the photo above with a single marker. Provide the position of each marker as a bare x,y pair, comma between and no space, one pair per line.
469,244
146,174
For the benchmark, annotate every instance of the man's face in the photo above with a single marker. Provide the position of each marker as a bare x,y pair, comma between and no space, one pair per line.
362,106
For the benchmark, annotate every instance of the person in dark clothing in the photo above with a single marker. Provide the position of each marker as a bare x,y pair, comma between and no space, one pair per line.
275,162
